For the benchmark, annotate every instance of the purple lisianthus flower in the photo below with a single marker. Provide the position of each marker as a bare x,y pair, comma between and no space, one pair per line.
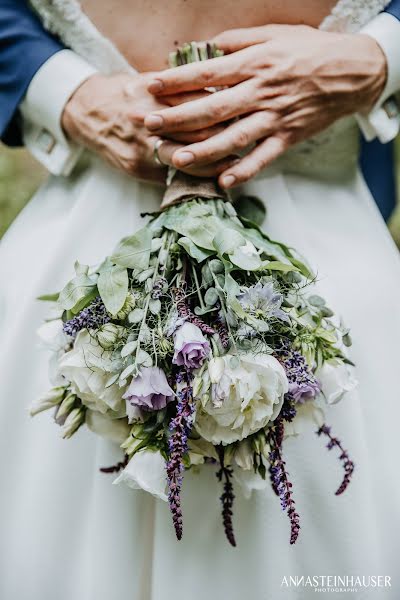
191,347
304,390
149,390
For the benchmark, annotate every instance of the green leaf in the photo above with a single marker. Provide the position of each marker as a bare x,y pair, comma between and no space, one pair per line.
251,208
129,348
211,296
227,241
49,297
245,261
276,265
113,287
133,252
194,251
78,293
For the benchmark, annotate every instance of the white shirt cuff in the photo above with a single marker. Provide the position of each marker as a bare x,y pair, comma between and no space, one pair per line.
42,108
383,121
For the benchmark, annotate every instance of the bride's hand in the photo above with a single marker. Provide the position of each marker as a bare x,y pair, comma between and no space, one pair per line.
106,114
285,83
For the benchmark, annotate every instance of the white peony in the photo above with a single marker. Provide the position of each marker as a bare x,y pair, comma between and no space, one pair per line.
248,394
145,471
336,380
88,367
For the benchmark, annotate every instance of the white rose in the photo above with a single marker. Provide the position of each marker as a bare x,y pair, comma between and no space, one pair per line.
53,338
248,395
115,430
88,367
336,380
145,471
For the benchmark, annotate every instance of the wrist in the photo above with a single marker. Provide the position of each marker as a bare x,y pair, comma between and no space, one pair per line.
376,64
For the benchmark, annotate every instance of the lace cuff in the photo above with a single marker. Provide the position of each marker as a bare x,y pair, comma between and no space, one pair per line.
42,108
383,121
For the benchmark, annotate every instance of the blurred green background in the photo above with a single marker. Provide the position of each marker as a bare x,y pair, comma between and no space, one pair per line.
20,175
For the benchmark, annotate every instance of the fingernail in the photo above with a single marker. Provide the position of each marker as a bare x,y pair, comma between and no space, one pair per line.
155,86
154,122
185,158
228,181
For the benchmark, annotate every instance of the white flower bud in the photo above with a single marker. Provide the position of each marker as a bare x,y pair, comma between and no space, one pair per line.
129,305
109,335
66,406
52,398
216,367
72,423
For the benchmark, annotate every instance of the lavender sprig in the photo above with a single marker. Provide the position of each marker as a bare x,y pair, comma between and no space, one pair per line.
180,426
280,479
227,497
347,463
303,385
92,317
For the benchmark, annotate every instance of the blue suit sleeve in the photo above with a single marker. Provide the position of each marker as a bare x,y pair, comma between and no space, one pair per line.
394,8
24,47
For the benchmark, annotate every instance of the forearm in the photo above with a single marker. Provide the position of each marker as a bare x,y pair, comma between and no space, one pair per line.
24,47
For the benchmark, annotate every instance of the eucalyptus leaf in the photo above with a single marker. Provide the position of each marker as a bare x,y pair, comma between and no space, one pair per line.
244,260
130,369
136,315
133,252
155,306
211,296
113,287
77,293
277,265
129,348
49,297
252,208
227,241
143,275
144,359
194,251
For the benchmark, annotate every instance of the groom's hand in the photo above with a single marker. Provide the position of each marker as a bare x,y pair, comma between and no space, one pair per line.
106,114
283,84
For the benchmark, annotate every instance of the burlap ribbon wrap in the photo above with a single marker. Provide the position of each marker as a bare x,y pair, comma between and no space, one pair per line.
185,187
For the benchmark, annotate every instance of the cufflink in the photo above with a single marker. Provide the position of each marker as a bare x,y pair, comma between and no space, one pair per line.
45,141
391,107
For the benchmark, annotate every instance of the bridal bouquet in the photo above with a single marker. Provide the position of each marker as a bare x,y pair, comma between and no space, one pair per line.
198,343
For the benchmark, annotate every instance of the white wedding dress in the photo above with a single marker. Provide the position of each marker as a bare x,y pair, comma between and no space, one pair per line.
66,532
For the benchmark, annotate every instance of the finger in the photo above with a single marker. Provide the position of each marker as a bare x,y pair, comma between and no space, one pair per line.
176,99
233,40
233,139
167,149
206,112
191,137
254,162
225,70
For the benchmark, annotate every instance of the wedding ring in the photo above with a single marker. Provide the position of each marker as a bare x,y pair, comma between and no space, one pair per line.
156,148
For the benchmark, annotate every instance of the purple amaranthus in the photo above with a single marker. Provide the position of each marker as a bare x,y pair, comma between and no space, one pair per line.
92,317
180,427
227,496
280,478
347,463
